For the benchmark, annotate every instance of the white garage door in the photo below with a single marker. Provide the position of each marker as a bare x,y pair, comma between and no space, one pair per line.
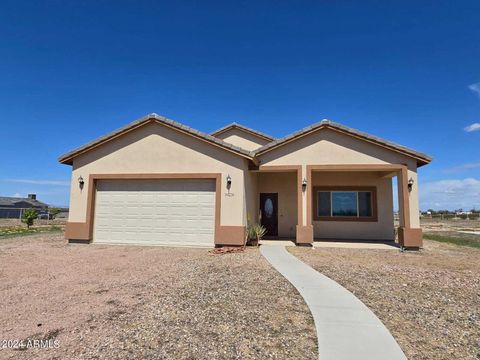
155,212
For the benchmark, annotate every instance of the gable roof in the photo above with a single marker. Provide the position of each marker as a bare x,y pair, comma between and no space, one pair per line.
67,158
10,201
422,159
248,130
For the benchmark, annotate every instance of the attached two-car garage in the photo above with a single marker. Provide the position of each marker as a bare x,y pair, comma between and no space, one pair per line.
176,212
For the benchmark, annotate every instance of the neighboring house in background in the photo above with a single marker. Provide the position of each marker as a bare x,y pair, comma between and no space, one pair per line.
156,181
13,207
63,214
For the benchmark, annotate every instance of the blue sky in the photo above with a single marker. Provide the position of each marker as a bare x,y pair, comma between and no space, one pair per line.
71,71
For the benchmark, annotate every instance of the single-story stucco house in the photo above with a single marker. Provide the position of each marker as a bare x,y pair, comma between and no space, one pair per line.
156,181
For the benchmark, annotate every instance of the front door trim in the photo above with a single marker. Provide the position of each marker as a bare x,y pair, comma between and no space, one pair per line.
271,226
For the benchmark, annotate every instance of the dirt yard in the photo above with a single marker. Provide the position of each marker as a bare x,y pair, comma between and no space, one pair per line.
429,300
147,302
450,225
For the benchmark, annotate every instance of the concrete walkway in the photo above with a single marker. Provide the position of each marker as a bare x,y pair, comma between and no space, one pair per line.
346,328
355,245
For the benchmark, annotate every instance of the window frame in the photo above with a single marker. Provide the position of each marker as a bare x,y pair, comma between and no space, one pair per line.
372,189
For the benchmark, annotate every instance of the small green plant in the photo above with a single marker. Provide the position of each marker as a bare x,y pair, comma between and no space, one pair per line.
28,217
255,233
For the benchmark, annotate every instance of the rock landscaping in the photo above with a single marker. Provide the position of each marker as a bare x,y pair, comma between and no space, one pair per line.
114,302
429,300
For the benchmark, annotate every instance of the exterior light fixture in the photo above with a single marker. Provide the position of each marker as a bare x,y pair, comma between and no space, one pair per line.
304,184
81,182
229,181
410,184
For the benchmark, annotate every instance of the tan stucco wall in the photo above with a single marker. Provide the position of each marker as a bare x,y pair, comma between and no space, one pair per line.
243,139
251,197
285,184
413,197
327,146
383,229
154,148
330,147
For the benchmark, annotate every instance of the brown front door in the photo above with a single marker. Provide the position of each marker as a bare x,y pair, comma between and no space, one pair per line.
269,213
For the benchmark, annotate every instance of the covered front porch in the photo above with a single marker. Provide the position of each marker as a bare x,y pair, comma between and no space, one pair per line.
335,203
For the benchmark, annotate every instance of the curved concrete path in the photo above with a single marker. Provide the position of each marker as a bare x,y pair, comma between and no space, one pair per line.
346,327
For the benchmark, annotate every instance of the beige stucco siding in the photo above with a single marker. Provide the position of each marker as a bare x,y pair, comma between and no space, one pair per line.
413,197
242,139
154,148
285,184
383,229
330,147
251,196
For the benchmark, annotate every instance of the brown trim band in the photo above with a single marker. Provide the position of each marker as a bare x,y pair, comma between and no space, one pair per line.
77,231
304,234
372,189
410,238
289,168
230,235
356,167
400,169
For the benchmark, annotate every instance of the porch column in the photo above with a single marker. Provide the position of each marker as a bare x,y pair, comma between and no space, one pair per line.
304,222
408,237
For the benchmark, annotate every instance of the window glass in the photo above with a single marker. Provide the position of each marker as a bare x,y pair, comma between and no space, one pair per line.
323,203
364,203
268,209
344,203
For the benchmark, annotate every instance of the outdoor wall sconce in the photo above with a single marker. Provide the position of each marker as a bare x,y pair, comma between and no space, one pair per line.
410,184
81,182
304,184
229,181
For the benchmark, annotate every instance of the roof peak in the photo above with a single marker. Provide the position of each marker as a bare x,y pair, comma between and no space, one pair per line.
244,128
424,159
67,157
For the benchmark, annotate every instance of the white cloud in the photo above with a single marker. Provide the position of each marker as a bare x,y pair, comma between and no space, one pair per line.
40,182
17,195
450,194
472,127
462,168
475,88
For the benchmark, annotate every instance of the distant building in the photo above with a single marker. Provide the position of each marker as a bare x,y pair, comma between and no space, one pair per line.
13,207
463,213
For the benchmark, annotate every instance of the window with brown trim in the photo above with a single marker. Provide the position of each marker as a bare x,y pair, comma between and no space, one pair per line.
345,203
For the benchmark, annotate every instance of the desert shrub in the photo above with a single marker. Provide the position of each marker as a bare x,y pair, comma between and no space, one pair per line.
255,232
28,217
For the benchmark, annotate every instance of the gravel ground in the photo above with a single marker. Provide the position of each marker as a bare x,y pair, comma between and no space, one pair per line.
36,222
112,302
429,300
449,225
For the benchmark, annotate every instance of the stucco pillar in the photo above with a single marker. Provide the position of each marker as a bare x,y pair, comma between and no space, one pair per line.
408,236
304,235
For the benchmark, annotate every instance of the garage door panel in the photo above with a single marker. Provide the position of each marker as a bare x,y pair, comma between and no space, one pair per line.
155,212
